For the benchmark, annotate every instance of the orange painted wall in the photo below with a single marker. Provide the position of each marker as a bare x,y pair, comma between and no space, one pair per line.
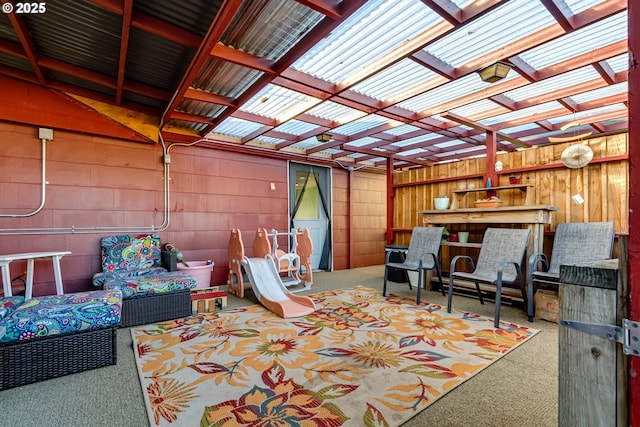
98,181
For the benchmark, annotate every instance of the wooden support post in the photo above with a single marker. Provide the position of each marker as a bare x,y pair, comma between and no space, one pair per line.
390,197
491,141
592,369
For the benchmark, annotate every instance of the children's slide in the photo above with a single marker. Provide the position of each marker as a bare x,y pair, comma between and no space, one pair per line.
271,292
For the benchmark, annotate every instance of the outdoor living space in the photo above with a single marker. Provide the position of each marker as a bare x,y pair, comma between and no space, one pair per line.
319,212
512,379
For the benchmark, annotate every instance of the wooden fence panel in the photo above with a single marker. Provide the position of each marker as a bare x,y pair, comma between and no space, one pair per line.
603,185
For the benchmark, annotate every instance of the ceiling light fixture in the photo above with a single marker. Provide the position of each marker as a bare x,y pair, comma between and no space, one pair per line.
323,137
494,72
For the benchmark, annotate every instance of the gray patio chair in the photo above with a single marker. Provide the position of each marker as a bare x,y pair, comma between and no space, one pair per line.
573,243
422,254
499,262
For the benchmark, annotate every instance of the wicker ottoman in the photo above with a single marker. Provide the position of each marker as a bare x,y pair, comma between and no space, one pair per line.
155,308
78,335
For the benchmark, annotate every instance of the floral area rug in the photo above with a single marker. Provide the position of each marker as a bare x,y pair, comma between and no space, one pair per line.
361,360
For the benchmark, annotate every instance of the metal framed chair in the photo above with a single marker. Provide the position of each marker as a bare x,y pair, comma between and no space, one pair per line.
499,262
422,254
573,243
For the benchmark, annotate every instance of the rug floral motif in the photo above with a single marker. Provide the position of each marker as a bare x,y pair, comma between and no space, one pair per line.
361,359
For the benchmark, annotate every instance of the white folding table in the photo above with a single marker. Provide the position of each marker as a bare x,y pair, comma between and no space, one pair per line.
5,261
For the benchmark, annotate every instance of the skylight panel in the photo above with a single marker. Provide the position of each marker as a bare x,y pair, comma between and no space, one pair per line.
449,144
458,88
602,92
478,107
577,6
362,142
269,140
521,128
584,115
339,113
520,114
279,103
414,152
236,127
374,30
462,3
619,63
331,151
402,129
417,139
584,40
354,156
468,150
295,127
394,80
306,144
497,29
551,84
368,122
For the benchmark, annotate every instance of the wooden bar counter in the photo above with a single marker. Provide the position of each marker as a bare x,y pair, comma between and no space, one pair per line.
534,217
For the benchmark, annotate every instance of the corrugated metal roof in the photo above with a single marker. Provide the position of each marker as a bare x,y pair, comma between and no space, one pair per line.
194,16
225,78
282,24
78,33
156,61
382,73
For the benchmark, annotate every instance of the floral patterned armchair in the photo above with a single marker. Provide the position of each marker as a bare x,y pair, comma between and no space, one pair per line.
132,264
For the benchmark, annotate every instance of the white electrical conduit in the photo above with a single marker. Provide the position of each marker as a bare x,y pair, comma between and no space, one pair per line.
43,186
104,229
97,229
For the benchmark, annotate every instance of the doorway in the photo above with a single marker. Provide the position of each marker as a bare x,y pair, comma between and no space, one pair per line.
310,207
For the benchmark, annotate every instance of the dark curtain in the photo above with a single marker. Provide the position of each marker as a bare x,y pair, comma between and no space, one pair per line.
326,247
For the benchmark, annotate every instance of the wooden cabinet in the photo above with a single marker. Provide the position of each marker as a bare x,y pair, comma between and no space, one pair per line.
459,195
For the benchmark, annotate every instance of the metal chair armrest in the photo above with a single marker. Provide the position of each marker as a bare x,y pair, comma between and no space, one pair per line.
452,266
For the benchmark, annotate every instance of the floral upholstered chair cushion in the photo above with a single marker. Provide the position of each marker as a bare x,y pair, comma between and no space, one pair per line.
133,254
130,252
62,314
150,284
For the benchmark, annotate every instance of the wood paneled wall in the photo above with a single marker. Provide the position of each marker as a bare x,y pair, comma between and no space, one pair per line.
603,184
359,204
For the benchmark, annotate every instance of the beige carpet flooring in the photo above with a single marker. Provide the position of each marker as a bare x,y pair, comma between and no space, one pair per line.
520,389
